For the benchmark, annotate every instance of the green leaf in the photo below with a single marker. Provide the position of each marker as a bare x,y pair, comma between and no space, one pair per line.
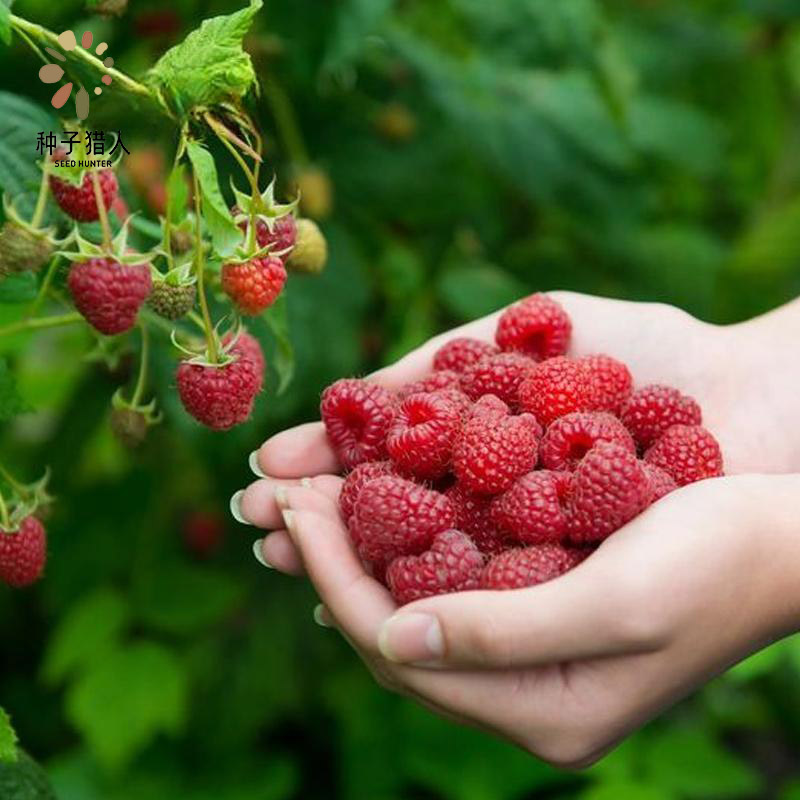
626,790
8,737
125,699
477,289
24,779
89,629
761,663
224,233
277,319
177,195
209,67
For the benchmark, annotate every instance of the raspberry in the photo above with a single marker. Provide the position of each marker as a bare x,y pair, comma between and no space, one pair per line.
499,375
254,285
572,436
492,406
661,482
474,518
458,354
279,235
357,416
609,488
556,387
109,294
536,326
23,247
203,532
532,508
219,396
356,480
492,451
457,398
420,440
247,346
172,301
688,453
310,252
453,564
445,379
23,553
79,202
396,517
129,427
529,566
652,409
613,382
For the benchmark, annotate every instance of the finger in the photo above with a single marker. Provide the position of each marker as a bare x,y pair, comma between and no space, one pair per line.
257,504
299,452
276,551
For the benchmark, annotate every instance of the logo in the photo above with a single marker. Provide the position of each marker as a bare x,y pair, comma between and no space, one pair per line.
53,73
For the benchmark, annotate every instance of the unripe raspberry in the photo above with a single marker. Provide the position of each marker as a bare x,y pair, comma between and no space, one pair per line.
310,252
172,301
22,248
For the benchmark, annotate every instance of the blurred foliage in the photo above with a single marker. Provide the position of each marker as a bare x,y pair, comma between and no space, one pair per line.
643,149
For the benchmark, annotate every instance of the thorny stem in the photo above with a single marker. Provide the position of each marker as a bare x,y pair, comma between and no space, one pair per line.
286,121
40,323
41,201
199,267
102,211
140,381
45,287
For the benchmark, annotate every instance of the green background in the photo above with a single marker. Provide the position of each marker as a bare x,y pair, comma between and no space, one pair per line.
648,150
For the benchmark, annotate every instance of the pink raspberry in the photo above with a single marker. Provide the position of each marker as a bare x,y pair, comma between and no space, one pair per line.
357,416
572,436
613,382
652,409
444,379
536,326
688,453
529,566
458,354
556,387
453,564
532,509
499,375
356,480
661,482
420,440
473,516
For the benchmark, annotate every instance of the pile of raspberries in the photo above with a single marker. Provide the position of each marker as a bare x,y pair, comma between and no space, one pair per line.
510,463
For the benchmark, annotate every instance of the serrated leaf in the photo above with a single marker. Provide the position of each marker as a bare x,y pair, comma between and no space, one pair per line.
11,402
224,233
277,320
177,195
8,737
209,67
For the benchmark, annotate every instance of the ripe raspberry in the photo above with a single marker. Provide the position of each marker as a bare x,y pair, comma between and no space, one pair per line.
492,451
492,406
536,326
457,398
661,482
420,440
453,564
310,252
652,409
458,354
219,397
499,375
109,294
556,387
688,453
613,382
572,436
247,346
254,285
203,533
280,237
444,379
79,202
609,488
356,480
529,566
23,553
532,509
473,516
357,416
396,517
172,301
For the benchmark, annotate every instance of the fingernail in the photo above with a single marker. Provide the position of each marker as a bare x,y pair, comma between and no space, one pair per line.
257,552
236,508
411,638
255,467
319,616
288,521
306,483
281,497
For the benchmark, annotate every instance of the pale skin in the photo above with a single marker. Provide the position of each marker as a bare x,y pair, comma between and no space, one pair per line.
567,669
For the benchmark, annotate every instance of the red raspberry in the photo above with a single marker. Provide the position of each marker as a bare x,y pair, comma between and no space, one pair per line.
613,382
203,532
444,379
492,451
491,406
23,553
473,516
499,375
420,440
652,409
396,517
609,488
79,202
109,294
247,346
281,238
572,436
458,354
661,482
357,416
532,509
529,566
457,398
536,326
453,564
356,480
555,388
688,453
254,285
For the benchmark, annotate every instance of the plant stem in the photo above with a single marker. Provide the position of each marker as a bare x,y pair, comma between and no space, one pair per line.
5,521
40,323
199,266
45,287
139,390
102,211
12,481
286,122
41,201
197,319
